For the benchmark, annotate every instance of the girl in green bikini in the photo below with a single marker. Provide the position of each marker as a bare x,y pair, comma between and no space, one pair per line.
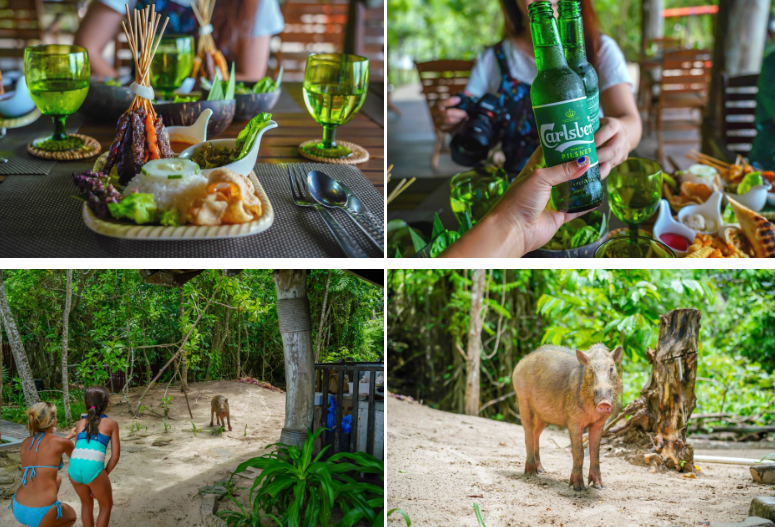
87,469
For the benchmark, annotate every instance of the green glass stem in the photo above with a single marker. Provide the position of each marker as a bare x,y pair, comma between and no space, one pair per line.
633,231
328,136
59,127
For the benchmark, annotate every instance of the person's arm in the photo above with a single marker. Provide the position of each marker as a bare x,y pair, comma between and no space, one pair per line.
67,446
521,221
97,29
620,130
252,58
115,449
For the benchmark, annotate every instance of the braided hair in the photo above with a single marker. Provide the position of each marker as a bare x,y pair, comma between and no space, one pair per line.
97,399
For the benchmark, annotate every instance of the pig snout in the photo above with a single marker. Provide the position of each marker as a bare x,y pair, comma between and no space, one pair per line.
604,408
603,400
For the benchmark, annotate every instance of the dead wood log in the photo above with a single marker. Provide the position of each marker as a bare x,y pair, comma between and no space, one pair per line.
667,400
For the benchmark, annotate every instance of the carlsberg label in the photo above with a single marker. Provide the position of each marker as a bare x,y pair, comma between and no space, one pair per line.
566,132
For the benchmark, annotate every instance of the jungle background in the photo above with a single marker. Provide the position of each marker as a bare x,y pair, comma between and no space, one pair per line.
438,354
118,323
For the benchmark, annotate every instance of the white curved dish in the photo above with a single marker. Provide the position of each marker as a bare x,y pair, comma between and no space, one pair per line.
710,209
771,198
243,166
117,229
755,199
18,102
193,134
665,224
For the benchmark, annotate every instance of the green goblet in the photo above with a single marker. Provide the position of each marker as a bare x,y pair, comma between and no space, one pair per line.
58,81
334,88
634,190
172,63
642,247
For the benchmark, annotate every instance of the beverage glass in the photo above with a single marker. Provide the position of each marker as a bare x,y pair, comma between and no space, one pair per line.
634,190
58,80
476,191
172,63
643,247
334,89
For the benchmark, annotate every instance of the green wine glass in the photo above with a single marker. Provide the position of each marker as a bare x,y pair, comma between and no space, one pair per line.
172,63
58,80
334,88
634,190
476,191
643,247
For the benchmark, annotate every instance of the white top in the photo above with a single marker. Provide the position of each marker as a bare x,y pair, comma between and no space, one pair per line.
486,74
269,19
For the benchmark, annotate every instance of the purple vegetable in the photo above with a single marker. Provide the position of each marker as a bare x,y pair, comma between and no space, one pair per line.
99,191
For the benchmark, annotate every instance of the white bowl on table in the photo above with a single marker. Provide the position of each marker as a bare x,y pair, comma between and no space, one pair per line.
755,199
711,210
665,224
771,198
18,102
243,166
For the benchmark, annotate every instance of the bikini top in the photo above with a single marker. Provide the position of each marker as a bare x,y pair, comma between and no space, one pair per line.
39,438
102,438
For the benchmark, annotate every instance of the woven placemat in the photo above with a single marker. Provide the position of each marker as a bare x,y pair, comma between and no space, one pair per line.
17,122
90,149
40,219
14,147
359,155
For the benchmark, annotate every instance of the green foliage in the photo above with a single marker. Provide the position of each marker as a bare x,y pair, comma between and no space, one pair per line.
291,478
166,403
136,427
166,426
402,513
479,515
194,429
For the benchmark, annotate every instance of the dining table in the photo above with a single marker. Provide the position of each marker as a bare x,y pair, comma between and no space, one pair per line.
40,218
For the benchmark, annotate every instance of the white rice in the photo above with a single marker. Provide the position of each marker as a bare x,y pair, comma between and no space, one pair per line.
169,193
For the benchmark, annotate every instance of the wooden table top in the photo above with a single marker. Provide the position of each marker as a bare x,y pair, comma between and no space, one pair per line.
280,145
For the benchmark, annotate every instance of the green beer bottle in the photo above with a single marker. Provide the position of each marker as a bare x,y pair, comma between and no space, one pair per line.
560,107
572,37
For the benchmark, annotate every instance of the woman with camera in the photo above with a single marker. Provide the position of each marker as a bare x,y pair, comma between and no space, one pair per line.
508,69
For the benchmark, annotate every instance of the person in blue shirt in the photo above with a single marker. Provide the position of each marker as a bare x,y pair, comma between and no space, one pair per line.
763,150
241,28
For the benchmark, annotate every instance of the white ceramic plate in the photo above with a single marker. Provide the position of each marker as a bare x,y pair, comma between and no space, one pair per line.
117,229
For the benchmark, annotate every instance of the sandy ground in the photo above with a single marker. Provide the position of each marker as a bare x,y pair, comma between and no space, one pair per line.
440,463
157,486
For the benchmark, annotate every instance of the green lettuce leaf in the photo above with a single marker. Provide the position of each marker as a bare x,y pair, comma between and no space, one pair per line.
139,208
171,218
248,135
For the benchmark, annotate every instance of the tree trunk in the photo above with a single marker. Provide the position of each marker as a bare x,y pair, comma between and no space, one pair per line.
184,356
667,401
65,336
295,323
652,22
1,369
17,348
319,339
239,342
220,334
474,351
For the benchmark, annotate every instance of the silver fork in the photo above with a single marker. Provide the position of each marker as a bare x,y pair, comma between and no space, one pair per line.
302,198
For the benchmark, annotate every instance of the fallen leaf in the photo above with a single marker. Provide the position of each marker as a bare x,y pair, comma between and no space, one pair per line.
477,496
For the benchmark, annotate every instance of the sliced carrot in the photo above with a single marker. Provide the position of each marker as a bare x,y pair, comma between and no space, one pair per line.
220,61
150,136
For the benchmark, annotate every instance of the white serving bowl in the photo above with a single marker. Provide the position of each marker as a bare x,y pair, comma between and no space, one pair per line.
243,166
193,134
710,209
18,102
666,224
755,199
771,198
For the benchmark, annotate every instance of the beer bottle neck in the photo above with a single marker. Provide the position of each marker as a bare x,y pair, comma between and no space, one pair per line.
572,36
546,40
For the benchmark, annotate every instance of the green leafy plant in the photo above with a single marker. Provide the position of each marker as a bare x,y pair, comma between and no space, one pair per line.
166,403
136,427
217,431
479,515
246,431
291,478
402,513
195,429
166,426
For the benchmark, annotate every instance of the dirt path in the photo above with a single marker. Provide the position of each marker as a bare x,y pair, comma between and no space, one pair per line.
154,486
437,462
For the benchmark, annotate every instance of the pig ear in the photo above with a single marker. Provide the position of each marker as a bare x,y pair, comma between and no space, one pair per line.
583,357
616,354
226,401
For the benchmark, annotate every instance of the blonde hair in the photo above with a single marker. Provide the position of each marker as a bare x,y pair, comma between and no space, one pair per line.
40,416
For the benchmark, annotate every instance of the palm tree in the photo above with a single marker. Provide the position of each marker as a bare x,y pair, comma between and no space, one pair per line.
17,348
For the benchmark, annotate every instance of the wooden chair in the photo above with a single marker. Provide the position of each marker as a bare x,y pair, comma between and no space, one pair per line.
739,112
370,38
683,89
21,25
67,15
310,27
651,74
440,80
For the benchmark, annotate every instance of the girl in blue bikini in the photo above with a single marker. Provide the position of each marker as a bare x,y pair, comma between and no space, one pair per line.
35,503
87,469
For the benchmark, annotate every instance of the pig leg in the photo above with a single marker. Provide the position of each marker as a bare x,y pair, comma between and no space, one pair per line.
538,427
212,413
595,433
228,417
527,416
577,447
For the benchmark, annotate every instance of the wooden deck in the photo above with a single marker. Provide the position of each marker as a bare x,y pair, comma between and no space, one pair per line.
16,433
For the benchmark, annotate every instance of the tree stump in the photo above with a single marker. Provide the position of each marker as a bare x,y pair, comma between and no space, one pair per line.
667,400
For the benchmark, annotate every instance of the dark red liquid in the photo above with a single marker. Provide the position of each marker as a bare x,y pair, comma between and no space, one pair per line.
676,241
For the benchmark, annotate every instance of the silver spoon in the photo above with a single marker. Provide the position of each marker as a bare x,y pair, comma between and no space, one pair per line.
330,193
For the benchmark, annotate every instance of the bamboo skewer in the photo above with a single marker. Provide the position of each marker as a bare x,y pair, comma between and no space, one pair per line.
203,11
402,185
140,37
709,158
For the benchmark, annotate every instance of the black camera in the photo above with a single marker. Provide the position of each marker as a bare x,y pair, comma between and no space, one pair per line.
481,132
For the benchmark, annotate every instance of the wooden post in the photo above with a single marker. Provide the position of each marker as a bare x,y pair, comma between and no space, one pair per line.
65,336
667,401
652,22
474,344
